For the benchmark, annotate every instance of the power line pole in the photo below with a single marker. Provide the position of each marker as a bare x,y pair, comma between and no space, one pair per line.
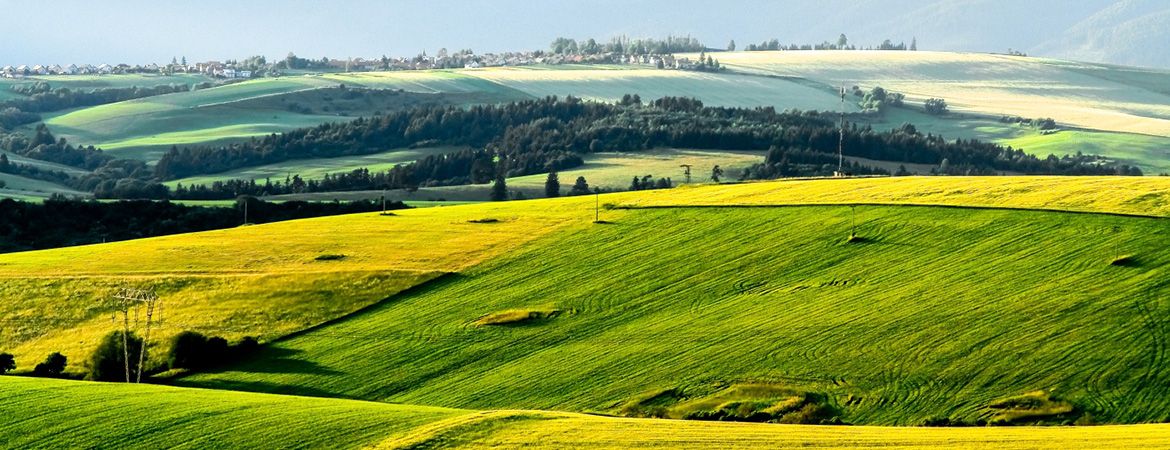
136,297
841,143
687,172
597,208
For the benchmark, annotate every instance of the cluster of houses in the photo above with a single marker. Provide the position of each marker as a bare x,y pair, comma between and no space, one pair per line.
421,62
73,69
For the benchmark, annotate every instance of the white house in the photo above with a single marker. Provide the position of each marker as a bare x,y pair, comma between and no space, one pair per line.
104,69
244,74
471,65
22,69
40,70
69,70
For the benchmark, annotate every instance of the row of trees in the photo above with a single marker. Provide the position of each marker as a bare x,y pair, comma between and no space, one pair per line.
188,350
551,134
842,43
59,222
626,46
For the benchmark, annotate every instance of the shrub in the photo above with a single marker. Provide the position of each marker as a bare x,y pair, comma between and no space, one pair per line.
810,414
108,360
191,350
7,363
53,366
935,106
187,351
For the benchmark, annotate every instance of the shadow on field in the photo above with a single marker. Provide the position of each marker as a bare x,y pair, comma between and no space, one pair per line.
272,359
263,387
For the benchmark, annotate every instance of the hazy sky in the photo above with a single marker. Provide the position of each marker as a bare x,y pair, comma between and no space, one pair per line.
140,31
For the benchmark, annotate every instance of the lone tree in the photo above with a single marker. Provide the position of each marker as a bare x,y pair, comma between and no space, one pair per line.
53,366
552,186
7,363
716,173
935,106
499,189
580,187
842,42
731,46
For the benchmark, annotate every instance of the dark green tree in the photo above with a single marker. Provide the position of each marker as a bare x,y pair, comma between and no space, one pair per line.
552,185
716,173
499,189
188,351
53,366
935,106
7,363
580,187
108,360
731,46
842,41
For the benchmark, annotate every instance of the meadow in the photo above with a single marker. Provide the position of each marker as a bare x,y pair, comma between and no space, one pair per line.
937,312
983,83
84,415
315,169
42,413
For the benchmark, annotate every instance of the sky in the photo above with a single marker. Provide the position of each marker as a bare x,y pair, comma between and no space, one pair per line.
140,31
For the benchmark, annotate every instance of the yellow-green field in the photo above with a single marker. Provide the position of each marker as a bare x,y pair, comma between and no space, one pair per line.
980,83
315,169
61,414
984,291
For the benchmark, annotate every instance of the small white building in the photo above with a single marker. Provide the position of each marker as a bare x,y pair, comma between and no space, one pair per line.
471,65
104,69
40,70
69,70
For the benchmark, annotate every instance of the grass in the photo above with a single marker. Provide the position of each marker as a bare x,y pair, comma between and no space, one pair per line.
731,90
984,84
1147,152
503,430
315,169
940,312
42,413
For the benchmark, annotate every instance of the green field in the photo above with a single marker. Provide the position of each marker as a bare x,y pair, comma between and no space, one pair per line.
61,414
963,294
315,169
940,312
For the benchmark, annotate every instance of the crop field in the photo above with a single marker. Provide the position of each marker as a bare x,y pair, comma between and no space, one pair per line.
610,85
715,297
42,413
985,84
84,415
315,169
248,281
21,186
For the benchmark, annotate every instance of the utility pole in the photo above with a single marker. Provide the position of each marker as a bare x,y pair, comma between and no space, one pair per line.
853,231
245,211
383,202
136,297
597,208
841,143
687,172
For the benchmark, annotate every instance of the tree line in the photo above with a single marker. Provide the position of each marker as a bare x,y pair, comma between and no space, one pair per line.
61,222
625,46
525,138
40,97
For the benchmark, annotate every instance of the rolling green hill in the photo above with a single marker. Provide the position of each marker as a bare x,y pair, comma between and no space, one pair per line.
936,312
61,414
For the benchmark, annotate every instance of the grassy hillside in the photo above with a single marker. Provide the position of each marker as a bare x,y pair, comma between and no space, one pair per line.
61,414
57,414
938,312
265,280
980,83
315,169
510,430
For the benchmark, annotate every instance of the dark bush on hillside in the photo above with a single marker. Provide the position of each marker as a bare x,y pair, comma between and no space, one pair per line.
935,106
53,366
810,414
191,350
7,363
108,360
